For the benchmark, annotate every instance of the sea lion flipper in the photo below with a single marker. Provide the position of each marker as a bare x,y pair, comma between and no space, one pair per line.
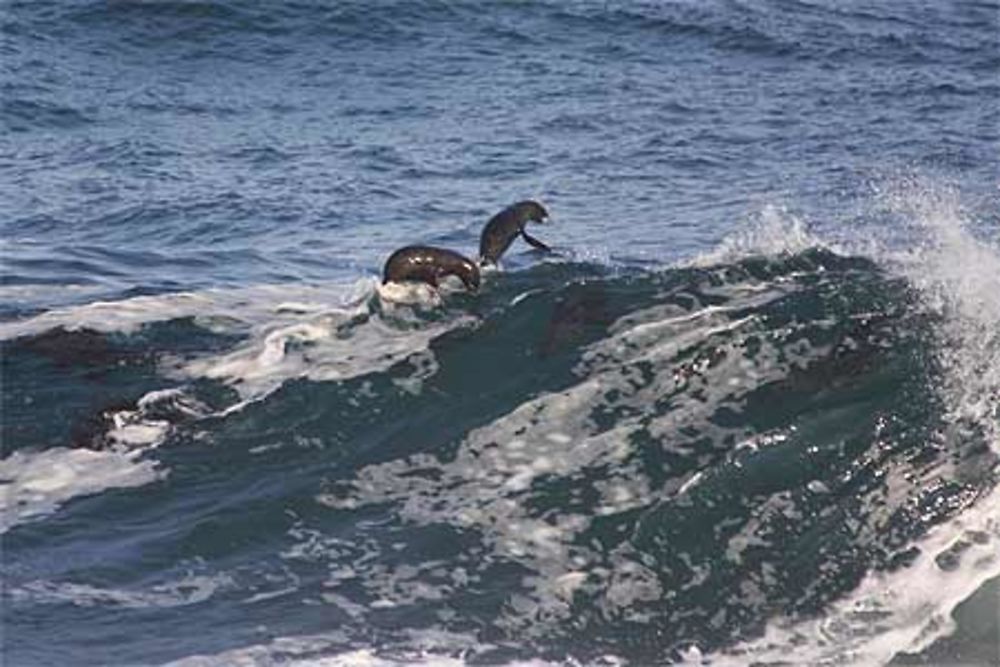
535,243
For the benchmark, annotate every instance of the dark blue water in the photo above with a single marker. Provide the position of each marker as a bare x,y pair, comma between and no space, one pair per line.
749,410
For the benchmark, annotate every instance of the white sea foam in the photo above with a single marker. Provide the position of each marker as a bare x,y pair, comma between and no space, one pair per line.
958,278
341,340
255,657
426,648
773,231
323,333
38,483
905,610
141,428
325,347
190,589
230,310
293,334
486,485
409,293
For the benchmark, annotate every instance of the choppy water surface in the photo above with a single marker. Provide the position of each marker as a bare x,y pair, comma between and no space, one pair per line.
749,412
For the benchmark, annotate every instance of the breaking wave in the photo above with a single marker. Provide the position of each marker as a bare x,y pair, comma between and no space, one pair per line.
778,449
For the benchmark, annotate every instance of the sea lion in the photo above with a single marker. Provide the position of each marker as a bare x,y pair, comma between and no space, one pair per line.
428,265
505,226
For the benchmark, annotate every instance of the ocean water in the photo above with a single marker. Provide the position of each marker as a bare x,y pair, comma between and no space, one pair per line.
748,412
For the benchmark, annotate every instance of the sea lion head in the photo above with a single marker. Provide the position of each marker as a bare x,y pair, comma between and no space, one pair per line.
468,272
531,211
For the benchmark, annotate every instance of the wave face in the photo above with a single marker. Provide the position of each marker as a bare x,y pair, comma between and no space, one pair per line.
747,412
583,461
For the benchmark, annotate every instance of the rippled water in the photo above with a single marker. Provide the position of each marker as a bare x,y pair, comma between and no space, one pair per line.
747,412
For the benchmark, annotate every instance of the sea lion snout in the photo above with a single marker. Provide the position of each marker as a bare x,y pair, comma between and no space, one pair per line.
469,275
534,212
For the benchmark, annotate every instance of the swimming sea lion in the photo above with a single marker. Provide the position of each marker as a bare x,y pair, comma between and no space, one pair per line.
505,226
426,264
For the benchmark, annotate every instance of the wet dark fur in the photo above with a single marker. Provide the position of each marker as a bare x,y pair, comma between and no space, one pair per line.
429,265
507,225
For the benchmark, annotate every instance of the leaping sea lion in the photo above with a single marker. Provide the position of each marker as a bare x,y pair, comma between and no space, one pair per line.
506,225
427,264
